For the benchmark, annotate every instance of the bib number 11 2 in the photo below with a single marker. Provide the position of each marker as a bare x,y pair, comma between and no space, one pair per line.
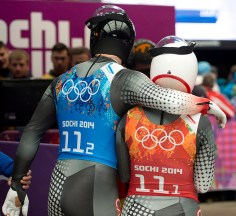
88,150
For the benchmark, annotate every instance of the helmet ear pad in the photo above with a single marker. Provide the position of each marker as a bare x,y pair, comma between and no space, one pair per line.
111,46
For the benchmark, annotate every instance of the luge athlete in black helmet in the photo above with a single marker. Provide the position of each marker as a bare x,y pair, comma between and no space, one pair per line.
87,101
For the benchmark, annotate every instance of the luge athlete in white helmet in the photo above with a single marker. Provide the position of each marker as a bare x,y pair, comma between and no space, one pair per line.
166,159
87,102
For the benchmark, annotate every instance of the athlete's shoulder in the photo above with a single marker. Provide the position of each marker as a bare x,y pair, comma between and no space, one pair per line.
132,74
113,67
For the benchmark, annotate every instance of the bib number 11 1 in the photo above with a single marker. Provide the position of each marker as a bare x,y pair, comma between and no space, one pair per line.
160,185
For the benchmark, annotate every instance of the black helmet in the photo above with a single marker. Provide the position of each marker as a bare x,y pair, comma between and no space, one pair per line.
140,51
112,32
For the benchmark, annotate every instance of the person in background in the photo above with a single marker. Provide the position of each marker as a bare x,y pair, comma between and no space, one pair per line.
4,61
140,59
6,169
229,88
6,165
204,68
79,55
88,101
218,98
19,64
215,70
166,158
60,58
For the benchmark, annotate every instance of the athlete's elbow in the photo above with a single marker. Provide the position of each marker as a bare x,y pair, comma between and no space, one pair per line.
203,189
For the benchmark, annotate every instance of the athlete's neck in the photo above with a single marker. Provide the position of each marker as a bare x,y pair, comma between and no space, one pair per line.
113,57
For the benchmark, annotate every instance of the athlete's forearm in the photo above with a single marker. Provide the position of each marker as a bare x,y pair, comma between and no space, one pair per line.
205,160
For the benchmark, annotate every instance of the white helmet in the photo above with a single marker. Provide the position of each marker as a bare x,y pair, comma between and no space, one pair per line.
174,65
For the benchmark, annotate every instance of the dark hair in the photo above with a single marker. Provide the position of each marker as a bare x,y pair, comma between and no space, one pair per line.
209,80
2,45
80,50
60,47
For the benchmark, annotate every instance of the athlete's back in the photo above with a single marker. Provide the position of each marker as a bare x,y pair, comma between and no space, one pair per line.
166,159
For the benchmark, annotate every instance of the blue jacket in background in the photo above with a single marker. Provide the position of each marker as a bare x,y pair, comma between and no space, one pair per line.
6,165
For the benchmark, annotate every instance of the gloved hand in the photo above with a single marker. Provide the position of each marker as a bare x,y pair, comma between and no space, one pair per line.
12,205
218,113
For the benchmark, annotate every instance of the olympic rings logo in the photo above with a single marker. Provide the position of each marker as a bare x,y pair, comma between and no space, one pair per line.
144,134
81,90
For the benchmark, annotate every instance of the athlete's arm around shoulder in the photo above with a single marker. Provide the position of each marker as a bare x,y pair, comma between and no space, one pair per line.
131,88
